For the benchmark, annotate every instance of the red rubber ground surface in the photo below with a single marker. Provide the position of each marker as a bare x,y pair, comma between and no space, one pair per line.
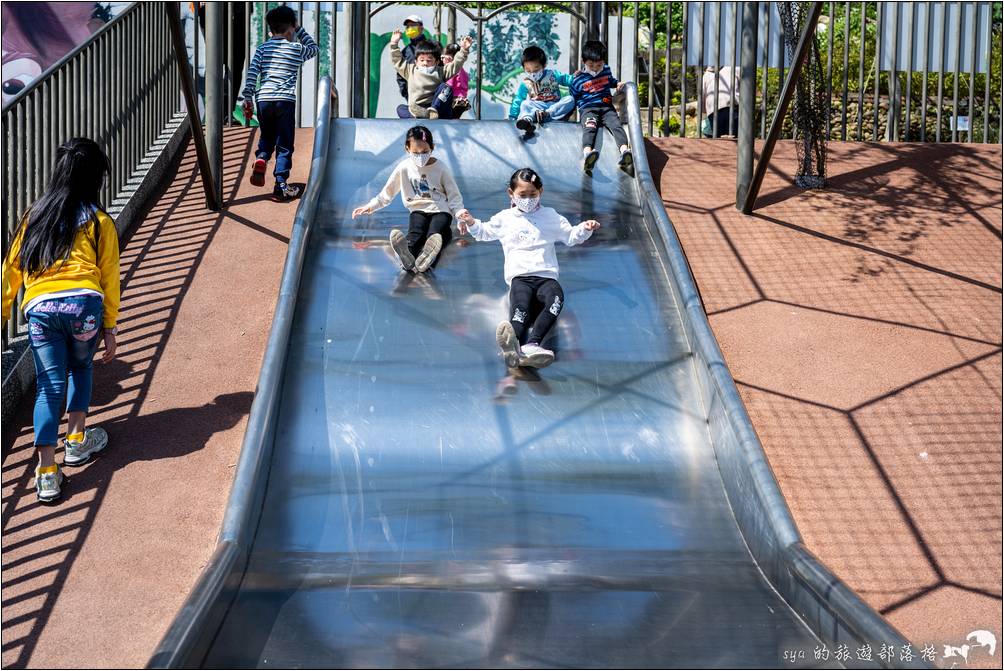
862,324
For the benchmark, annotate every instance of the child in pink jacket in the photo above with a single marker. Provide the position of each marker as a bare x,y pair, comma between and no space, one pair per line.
460,82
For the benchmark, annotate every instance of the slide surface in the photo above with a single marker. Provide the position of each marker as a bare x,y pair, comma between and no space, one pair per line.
415,517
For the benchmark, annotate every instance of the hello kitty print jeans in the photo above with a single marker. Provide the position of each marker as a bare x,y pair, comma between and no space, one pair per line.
64,335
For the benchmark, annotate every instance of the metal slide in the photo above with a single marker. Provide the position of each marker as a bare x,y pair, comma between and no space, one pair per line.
392,510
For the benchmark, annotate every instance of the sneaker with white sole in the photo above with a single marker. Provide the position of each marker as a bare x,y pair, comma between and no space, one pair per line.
507,341
430,250
47,485
526,124
589,162
79,453
536,356
400,245
284,192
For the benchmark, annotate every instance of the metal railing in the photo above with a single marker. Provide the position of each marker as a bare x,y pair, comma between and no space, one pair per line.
908,71
119,88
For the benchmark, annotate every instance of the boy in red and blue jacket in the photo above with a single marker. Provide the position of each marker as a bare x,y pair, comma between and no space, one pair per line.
591,90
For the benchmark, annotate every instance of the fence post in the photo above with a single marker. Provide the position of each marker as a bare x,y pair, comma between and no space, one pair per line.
214,91
747,99
187,82
357,28
594,19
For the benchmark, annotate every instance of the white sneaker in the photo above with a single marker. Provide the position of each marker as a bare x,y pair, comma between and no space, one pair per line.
536,356
47,485
433,244
400,246
525,124
508,343
78,454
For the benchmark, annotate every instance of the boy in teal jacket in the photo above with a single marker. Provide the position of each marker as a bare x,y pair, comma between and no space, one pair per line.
538,98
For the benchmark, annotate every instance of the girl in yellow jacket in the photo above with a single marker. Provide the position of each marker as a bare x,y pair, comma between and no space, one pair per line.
66,255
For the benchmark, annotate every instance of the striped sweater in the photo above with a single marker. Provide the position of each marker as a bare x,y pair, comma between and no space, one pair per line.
277,61
590,91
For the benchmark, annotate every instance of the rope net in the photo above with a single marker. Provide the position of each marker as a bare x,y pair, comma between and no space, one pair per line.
810,106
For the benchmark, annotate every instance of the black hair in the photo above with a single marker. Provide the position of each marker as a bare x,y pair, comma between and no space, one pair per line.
53,221
420,133
451,49
534,54
594,50
528,175
428,47
280,19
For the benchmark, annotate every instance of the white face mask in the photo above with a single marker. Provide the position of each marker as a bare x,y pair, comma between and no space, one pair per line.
593,73
535,76
526,204
426,69
420,159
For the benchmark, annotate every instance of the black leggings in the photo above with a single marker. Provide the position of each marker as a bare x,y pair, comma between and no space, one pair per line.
596,117
539,299
423,224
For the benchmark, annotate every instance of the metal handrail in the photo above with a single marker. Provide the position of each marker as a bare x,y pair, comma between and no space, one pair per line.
23,93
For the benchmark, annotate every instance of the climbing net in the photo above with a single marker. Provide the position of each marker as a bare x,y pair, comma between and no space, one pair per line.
810,108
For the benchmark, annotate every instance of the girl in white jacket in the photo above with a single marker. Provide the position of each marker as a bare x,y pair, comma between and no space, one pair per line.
528,232
431,195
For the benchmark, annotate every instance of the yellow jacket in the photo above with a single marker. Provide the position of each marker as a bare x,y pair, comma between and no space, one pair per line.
86,268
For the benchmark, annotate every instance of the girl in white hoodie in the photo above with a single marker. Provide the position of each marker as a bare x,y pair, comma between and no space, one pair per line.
528,232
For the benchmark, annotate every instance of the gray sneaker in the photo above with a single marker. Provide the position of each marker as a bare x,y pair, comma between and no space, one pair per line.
506,338
78,454
47,485
429,252
400,245
589,162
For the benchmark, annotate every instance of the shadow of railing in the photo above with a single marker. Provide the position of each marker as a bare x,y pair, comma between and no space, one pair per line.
159,261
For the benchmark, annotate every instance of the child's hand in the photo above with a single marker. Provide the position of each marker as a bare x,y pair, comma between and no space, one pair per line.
395,37
360,211
110,346
591,225
621,85
465,216
466,43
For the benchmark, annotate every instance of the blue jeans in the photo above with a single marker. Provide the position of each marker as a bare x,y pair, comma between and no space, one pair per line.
277,127
556,111
64,335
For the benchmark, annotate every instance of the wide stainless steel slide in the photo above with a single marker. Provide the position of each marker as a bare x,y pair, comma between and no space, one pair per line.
393,509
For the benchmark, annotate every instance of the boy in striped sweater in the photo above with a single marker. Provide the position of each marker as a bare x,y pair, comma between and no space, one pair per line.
591,90
277,62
